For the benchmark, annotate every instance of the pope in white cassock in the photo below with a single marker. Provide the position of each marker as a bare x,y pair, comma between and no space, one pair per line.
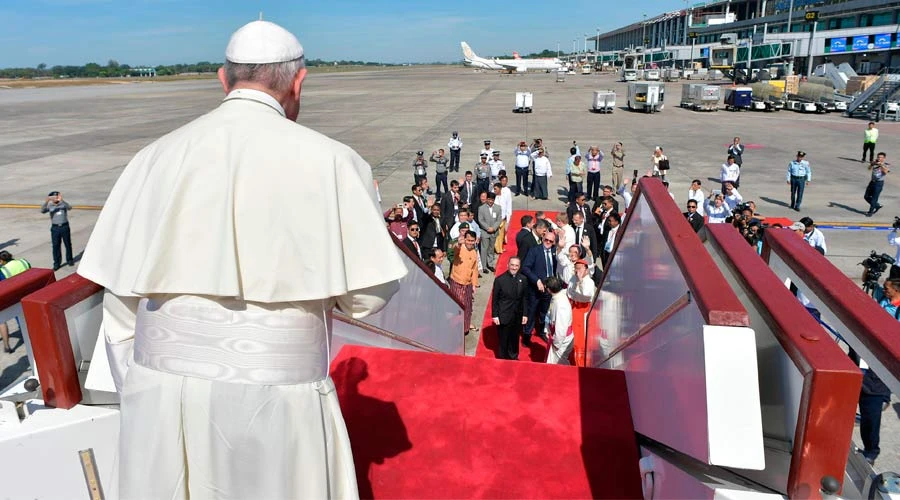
220,289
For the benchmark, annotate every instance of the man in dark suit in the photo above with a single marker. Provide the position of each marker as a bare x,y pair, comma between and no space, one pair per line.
580,206
526,239
450,207
539,264
468,194
431,234
508,308
420,206
583,230
693,218
412,239
601,221
608,192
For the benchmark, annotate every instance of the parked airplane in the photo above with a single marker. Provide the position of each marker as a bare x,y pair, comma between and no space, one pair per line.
517,64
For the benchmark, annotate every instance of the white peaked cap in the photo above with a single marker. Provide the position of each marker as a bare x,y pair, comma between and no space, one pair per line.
262,42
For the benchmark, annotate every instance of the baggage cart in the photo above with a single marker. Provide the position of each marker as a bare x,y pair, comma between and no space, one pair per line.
738,98
648,97
524,102
700,97
604,101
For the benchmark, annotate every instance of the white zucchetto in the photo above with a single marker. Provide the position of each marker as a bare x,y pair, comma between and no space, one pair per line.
262,42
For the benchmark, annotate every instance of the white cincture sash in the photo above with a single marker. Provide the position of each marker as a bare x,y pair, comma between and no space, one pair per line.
229,340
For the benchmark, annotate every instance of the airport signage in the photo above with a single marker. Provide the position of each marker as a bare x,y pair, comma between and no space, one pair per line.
692,35
812,15
836,45
786,4
861,43
883,41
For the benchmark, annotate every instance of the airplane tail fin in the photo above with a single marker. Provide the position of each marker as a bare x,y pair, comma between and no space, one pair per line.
516,55
467,51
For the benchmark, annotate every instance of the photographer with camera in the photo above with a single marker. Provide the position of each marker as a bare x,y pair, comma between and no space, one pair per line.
875,397
879,168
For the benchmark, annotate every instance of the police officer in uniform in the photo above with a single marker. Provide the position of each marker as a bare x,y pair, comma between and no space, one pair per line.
799,175
59,227
455,146
482,175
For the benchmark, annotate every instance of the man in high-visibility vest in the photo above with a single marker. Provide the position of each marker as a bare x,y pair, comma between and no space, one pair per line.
10,267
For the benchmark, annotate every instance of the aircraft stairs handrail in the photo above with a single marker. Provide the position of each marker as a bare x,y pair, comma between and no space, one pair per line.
870,100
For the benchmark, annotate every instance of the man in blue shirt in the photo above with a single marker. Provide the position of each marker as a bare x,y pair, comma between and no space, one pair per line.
799,175
875,397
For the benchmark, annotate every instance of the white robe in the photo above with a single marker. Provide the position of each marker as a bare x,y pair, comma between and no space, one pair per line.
211,224
561,320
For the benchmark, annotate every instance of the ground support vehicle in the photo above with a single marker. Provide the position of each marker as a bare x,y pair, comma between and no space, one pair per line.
738,98
646,96
524,102
700,97
604,101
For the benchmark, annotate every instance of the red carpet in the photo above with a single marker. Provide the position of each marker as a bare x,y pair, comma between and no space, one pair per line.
488,346
438,426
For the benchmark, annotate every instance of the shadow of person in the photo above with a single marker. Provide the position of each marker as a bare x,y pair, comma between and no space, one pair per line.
376,430
773,201
847,208
9,243
491,339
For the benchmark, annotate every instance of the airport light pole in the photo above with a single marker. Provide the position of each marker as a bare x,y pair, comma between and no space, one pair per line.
790,70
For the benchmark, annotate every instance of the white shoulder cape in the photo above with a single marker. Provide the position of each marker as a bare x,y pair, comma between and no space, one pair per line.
242,202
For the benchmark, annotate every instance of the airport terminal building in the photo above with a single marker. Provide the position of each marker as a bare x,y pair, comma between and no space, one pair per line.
863,33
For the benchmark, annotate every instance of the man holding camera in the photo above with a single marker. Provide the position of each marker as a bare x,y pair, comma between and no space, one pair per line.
879,168
59,228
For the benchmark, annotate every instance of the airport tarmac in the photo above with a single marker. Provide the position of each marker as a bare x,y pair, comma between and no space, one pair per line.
78,139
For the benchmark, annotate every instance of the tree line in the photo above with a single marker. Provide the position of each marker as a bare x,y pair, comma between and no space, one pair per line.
113,69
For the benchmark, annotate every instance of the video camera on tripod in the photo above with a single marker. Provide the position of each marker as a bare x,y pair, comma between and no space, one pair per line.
875,265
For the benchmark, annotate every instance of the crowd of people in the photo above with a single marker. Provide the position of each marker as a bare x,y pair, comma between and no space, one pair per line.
465,221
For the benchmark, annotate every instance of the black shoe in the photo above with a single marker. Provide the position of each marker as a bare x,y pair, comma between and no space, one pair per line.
796,209
70,263
876,210
517,194
56,268
543,337
526,340
7,350
869,213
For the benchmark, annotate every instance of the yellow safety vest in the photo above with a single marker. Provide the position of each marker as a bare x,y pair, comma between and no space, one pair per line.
14,267
871,135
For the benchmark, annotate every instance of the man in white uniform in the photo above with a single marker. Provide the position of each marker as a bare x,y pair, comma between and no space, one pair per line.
219,306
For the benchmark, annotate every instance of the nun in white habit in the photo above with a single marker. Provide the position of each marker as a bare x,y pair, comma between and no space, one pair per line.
220,289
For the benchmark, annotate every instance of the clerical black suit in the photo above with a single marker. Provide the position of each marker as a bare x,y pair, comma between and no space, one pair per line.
695,220
508,305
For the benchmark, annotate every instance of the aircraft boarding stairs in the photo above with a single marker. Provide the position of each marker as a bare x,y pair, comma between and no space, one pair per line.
869,102
707,379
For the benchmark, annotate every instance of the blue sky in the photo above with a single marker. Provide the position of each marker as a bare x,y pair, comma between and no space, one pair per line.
150,32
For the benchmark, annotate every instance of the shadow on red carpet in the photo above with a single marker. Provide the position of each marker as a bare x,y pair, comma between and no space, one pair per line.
426,425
